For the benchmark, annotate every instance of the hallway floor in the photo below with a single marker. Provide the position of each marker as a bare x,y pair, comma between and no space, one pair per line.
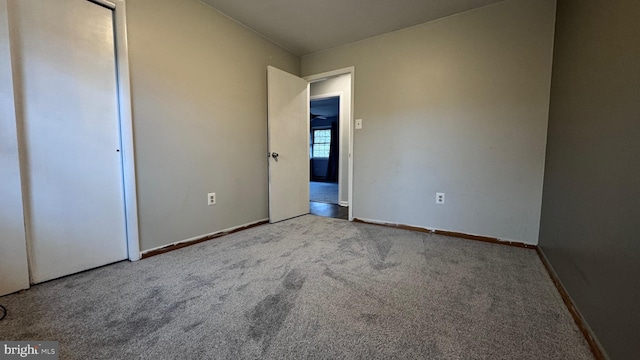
329,210
323,192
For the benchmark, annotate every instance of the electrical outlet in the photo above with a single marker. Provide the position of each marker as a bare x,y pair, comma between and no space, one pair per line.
439,198
211,198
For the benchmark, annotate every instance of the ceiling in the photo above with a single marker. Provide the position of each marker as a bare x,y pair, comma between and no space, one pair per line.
308,26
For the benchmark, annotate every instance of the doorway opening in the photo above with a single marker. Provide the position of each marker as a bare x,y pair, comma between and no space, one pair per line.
324,150
324,153
289,127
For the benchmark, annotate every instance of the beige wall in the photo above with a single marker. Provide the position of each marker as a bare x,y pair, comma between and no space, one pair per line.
200,118
458,105
14,273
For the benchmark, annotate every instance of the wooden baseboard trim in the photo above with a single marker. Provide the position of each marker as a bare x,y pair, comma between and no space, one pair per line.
180,245
451,234
596,349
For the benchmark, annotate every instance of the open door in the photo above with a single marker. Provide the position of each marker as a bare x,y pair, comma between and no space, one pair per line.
288,138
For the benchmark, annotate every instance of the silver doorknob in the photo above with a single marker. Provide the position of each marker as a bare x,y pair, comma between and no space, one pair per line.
275,156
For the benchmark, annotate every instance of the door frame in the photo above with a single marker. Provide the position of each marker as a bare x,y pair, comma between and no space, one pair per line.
340,96
126,127
324,76
125,121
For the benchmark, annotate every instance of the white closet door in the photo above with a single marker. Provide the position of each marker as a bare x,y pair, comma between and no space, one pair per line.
68,88
14,272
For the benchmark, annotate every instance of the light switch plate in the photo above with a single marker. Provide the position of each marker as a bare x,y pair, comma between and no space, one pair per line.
358,123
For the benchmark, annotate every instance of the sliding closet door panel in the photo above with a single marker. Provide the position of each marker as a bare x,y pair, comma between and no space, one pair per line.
14,273
75,206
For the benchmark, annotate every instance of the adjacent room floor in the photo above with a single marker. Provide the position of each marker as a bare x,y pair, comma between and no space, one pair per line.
323,192
310,287
329,210
324,201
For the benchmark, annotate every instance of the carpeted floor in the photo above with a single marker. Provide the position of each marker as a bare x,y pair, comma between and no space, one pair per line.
323,192
309,287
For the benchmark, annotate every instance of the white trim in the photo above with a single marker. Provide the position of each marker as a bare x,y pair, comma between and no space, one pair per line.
126,129
205,235
308,149
351,119
322,76
329,74
340,96
105,3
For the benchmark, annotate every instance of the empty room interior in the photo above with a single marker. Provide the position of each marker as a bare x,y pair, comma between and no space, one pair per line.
475,165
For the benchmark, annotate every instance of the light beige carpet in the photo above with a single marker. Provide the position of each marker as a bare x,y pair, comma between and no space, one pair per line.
307,288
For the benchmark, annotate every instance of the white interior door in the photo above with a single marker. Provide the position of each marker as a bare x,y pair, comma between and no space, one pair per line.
68,92
288,133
